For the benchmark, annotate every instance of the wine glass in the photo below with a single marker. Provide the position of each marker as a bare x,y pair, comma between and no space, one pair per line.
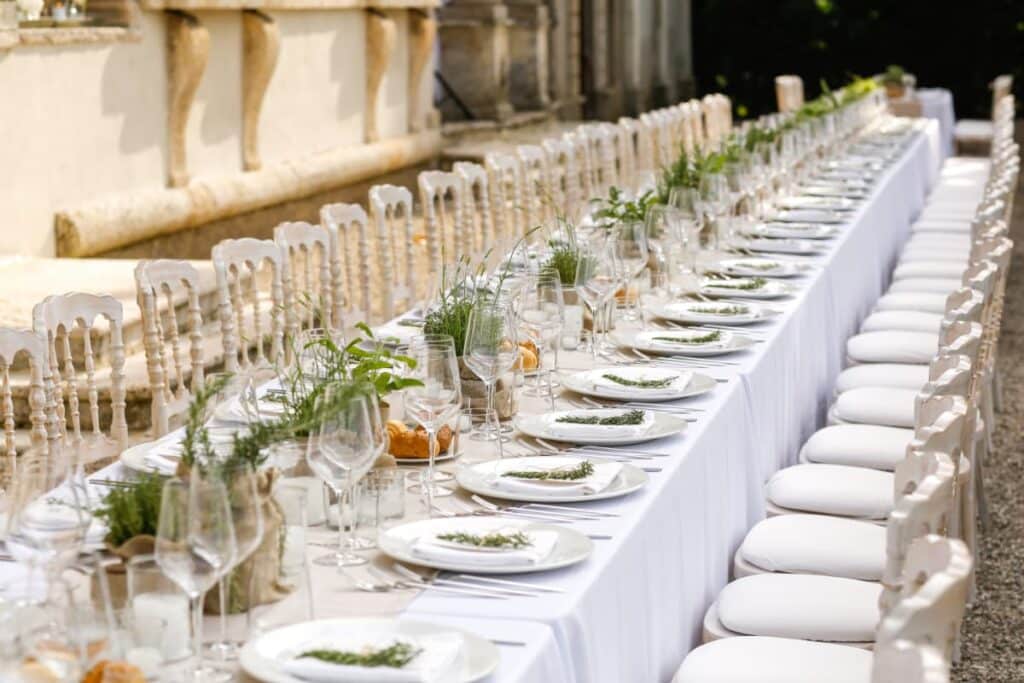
714,194
437,399
491,348
597,278
246,508
344,449
541,313
629,240
195,546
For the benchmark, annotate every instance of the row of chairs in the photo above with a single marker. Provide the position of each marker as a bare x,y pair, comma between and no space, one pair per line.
870,541
353,266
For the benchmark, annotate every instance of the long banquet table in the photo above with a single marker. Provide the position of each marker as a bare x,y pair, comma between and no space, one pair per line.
634,609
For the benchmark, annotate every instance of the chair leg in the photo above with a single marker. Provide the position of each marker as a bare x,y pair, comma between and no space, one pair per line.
980,452
997,391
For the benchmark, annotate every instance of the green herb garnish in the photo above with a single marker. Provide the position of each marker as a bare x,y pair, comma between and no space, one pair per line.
581,471
722,310
753,283
641,383
757,265
703,339
393,656
491,540
633,417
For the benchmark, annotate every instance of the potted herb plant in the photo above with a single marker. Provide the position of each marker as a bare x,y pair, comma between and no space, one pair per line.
894,81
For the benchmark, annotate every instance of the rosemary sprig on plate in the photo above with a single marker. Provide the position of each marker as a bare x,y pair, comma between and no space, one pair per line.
752,283
580,471
493,539
633,417
640,383
758,265
702,339
720,310
394,656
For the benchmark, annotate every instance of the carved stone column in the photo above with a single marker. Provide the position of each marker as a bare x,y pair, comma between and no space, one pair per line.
422,35
261,43
475,59
188,47
530,51
380,46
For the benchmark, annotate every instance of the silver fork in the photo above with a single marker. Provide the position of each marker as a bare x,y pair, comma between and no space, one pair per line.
563,515
412,576
386,583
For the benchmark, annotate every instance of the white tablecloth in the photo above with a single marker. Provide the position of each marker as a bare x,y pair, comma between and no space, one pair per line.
634,610
937,103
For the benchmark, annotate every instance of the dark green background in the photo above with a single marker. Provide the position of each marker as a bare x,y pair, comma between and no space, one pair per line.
741,45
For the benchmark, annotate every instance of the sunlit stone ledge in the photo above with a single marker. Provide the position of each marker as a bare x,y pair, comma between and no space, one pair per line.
199,5
72,35
121,219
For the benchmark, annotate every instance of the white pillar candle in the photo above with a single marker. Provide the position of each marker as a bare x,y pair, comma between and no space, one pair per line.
162,621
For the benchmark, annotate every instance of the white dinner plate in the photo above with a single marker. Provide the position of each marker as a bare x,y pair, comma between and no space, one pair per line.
571,547
648,342
835,190
134,457
714,312
738,287
583,382
662,425
783,246
758,266
478,479
819,203
447,455
262,657
809,216
807,231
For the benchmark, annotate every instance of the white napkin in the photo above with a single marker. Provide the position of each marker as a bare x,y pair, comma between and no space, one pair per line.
598,380
651,340
430,549
568,430
234,411
391,330
440,654
603,476
702,310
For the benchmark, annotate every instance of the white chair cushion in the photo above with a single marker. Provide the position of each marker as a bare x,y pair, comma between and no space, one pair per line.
858,445
941,240
973,130
883,406
906,321
915,301
833,490
816,544
804,606
910,255
774,660
896,346
932,225
943,269
930,285
900,375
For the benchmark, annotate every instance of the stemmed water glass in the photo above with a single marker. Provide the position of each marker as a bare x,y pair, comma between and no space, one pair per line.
597,278
630,243
541,313
490,350
195,546
436,400
344,448
714,193
245,506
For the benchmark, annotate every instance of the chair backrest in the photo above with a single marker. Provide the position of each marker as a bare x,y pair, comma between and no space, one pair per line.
348,229
442,202
249,315
56,319
637,147
661,142
961,336
391,207
310,274
160,286
789,93
565,180
536,176
924,510
30,343
478,233
964,304
902,661
1001,87
506,196
933,595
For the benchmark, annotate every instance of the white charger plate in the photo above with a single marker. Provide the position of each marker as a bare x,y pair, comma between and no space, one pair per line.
783,246
579,382
807,231
769,290
261,657
731,343
665,424
476,479
571,548
809,216
698,312
821,203
756,266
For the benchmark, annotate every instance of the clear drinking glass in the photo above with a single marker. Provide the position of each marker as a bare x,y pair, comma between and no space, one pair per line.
541,314
490,349
597,278
437,401
195,546
631,251
346,445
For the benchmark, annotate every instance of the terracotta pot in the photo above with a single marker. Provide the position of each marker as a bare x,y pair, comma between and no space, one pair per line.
895,91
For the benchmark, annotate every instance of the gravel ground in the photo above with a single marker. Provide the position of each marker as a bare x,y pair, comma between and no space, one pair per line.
993,642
